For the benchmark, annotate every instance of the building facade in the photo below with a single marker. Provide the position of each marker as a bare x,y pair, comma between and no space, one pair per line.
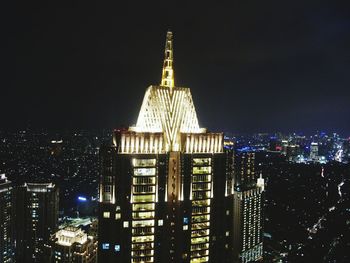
36,219
166,186
6,220
314,151
72,245
248,210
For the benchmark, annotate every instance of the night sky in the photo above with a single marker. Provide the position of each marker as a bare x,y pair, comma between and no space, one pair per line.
252,66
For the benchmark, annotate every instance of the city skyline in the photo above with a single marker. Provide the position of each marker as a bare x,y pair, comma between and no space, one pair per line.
294,186
230,143
268,63
171,192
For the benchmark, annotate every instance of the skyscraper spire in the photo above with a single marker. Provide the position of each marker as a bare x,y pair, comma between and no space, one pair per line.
168,72
167,108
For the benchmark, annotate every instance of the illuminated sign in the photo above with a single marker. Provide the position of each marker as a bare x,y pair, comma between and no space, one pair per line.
82,198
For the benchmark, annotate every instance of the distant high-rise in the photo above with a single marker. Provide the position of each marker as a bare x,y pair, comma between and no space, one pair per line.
248,210
314,151
6,220
166,186
72,245
36,219
292,152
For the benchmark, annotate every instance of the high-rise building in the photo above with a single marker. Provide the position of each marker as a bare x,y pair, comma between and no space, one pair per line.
72,245
314,151
166,186
248,209
36,219
292,152
284,146
273,143
6,220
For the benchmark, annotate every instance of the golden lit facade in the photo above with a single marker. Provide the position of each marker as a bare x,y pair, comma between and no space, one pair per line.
72,245
143,199
165,189
166,108
201,194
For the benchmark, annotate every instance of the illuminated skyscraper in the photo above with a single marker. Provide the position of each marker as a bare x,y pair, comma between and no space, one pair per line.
72,245
166,186
248,209
36,219
6,220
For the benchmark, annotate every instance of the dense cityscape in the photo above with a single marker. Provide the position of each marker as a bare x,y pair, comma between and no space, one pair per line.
175,132
307,213
118,195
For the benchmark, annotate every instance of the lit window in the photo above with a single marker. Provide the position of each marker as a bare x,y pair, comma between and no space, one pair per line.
185,227
144,171
117,248
143,223
105,246
227,212
144,162
227,233
142,239
117,216
160,222
137,207
107,197
125,224
106,214
185,220
202,170
143,198
201,161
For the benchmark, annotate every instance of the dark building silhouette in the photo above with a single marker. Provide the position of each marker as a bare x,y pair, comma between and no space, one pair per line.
6,220
166,186
36,219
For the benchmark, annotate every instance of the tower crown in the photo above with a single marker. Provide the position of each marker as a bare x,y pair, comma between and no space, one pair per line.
166,108
168,72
